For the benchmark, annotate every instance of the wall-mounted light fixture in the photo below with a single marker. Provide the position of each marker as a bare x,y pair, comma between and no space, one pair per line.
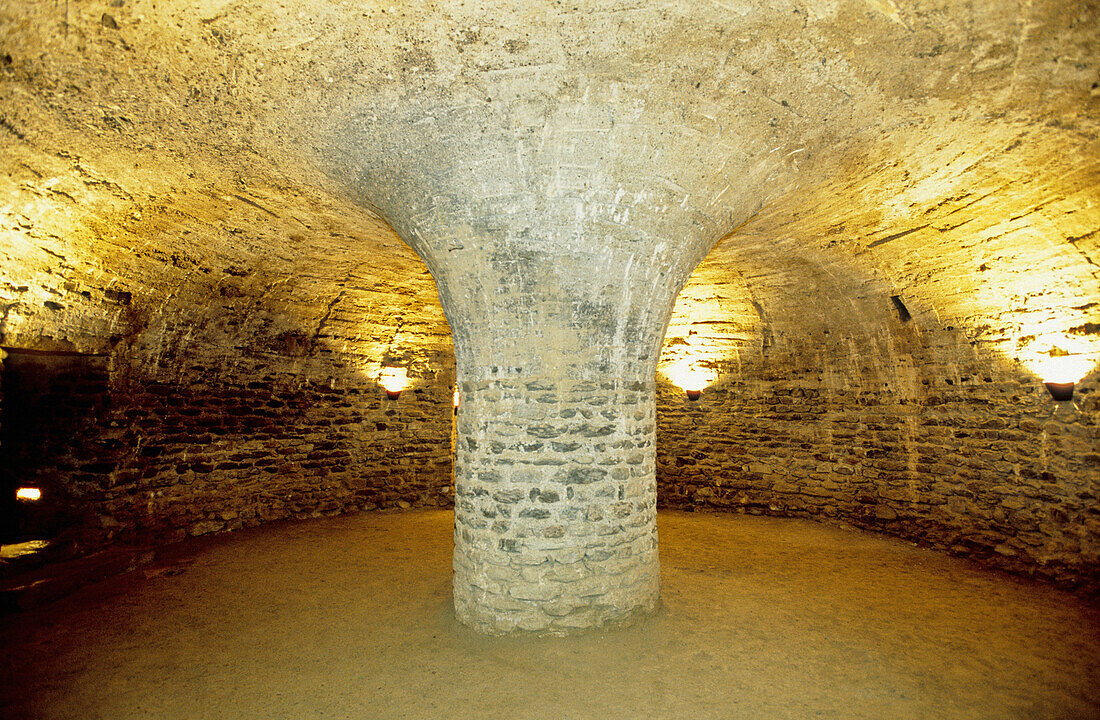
1061,369
457,400
690,376
393,380
28,494
1060,391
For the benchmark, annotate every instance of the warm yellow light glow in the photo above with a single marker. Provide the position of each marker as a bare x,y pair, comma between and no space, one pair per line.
394,379
1061,368
28,493
457,397
1056,358
15,550
689,375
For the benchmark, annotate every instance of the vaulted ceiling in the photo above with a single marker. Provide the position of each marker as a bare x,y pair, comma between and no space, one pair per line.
855,173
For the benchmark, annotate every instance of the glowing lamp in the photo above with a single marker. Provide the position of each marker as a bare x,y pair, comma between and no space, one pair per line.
28,494
393,380
1060,391
690,378
457,399
1060,371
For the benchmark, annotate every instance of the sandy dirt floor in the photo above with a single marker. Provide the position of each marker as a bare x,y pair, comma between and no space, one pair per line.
350,617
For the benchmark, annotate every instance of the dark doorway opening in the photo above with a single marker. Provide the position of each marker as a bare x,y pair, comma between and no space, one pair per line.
49,401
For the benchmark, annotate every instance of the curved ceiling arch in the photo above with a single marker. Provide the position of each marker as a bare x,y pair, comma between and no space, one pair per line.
994,239
869,127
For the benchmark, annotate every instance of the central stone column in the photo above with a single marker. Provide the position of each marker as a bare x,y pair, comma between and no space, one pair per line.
559,230
555,505
555,488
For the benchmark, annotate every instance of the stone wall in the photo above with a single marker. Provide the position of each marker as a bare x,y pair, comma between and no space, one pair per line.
877,343
162,461
239,330
988,467
172,460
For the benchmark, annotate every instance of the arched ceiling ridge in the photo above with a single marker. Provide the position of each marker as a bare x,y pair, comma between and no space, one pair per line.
867,114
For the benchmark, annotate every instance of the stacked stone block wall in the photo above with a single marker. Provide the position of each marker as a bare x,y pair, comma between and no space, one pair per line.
990,468
555,517
162,461
208,458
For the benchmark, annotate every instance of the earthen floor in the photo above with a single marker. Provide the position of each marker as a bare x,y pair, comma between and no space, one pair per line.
351,617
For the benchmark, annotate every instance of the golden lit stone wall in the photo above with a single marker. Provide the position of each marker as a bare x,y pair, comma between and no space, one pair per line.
907,190
244,351
877,345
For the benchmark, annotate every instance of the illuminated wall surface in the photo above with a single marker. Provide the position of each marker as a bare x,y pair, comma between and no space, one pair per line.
867,232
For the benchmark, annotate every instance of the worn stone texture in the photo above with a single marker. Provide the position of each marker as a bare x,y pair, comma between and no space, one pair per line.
914,425
240,382
989,470
216,196
158,461
877,354
555,507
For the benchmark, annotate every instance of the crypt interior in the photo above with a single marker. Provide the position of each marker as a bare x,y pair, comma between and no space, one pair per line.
354,356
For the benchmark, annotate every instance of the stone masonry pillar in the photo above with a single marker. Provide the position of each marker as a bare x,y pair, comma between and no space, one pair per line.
555,489
555,507
559,231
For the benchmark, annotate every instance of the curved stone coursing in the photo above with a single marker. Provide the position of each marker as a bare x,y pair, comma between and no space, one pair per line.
990,468
555,518
194,370
561,169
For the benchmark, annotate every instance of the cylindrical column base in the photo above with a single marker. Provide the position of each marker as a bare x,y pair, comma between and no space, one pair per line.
555,505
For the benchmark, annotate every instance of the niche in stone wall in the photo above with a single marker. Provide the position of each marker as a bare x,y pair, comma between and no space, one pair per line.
50,401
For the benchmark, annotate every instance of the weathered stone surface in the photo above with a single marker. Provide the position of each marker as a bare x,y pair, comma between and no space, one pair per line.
923,466
553,557
908,192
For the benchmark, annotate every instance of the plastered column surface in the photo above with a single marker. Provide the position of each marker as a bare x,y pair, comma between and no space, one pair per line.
557,267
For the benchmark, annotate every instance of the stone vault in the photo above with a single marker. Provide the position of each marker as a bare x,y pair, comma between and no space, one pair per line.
247,173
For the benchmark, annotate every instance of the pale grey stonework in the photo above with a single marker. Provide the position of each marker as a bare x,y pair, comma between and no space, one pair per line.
555,506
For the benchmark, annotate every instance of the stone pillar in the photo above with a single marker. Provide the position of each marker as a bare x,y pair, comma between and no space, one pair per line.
555,506
559,231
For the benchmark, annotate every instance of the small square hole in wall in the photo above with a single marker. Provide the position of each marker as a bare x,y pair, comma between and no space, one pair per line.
903,312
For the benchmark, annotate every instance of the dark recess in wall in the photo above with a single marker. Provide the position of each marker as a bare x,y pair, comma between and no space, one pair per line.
50,399
903,312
